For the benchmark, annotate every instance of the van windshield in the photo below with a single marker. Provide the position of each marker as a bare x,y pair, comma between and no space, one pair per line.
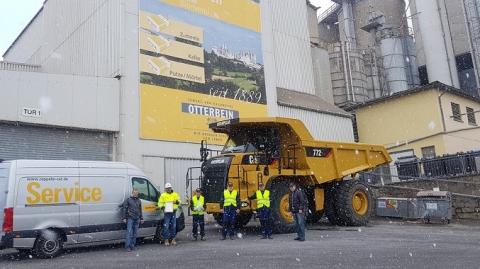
253,139
4,170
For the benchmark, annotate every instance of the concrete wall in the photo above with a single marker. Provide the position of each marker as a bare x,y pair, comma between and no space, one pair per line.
392,9
329,32
62,100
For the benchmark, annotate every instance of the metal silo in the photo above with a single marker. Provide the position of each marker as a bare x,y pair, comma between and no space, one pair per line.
372,71
411,63
394,64
339,75
349,82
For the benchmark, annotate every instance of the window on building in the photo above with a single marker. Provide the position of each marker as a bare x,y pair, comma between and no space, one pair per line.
422,72
457,115
466,74
428,152
471,116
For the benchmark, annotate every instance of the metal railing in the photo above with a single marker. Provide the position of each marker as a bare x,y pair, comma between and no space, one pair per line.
19,67
332,9
461,163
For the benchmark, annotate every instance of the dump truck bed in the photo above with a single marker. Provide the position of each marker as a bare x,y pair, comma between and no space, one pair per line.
300,154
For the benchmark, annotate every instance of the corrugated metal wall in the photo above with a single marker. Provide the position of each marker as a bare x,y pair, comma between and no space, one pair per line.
84,37
175,173
35,142
321,126
291,46
73,37
28,43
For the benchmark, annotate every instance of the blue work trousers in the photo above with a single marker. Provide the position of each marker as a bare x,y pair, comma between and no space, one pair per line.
169,225
132,230
229,217
263,214
300,224
198,220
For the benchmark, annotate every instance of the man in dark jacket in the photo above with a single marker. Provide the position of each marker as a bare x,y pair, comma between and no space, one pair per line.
132,216
297,205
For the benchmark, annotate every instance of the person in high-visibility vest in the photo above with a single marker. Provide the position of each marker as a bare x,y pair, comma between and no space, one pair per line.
263,210
230,207
197,206
168,202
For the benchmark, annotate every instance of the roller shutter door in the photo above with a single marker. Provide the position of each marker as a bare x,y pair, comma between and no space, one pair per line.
35,142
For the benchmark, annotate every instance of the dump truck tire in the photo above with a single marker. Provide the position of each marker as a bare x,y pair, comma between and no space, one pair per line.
354,203
240,221
282,219
330,204
314,217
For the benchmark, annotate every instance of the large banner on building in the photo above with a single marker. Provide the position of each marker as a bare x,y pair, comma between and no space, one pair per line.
200,62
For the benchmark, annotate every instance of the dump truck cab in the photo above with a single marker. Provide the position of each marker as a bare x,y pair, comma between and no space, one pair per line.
277,151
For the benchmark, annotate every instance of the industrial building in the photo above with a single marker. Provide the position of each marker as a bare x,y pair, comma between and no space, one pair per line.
139,81
374,52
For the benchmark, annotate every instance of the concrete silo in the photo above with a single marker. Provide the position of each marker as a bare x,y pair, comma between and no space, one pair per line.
374,53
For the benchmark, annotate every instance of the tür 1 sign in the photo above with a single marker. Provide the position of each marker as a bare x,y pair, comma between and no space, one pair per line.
31,112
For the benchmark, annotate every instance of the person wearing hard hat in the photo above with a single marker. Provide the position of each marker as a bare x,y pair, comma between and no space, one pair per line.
197,206
263,209
168,202
229,207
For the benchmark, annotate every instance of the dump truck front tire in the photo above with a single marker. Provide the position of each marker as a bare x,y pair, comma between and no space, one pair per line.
282,219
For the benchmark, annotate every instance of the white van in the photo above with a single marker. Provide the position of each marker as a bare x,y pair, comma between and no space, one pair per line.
49,204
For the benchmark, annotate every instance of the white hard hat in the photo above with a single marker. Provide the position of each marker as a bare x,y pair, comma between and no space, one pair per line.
168,185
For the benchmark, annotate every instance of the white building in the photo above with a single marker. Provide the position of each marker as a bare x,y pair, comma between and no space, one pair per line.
70,85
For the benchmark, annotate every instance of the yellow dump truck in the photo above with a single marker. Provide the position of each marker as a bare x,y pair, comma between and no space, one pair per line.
277,151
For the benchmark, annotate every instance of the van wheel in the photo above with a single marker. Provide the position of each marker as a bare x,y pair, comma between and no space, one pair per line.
49,244
158,238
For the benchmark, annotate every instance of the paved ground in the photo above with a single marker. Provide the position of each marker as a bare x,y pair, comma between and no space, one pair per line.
384,243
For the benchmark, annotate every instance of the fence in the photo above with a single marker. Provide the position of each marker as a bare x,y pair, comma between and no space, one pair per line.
411,167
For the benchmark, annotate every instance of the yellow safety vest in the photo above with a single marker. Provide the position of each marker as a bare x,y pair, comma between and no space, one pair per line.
169,197
263,201
230,199
196,202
